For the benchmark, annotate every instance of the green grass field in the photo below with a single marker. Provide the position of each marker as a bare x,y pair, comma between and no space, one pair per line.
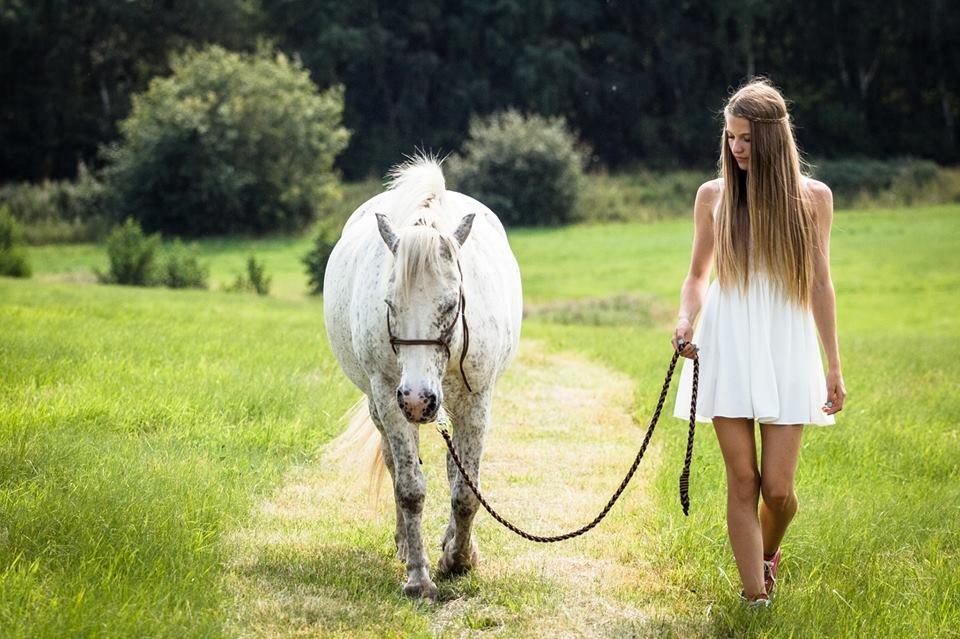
139,426
135,427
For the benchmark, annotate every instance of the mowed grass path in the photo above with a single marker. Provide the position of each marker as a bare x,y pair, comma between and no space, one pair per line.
874,548
872,553
317,559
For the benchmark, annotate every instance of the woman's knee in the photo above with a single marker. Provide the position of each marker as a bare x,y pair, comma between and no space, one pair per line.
778,496
743,483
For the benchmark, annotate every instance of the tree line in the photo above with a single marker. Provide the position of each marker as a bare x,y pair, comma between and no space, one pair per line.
641,82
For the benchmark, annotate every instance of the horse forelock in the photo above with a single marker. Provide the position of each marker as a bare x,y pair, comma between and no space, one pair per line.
420,250
417,213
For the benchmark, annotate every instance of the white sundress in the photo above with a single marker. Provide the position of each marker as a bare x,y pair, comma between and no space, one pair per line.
759,358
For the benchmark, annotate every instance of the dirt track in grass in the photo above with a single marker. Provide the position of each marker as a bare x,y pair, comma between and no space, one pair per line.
315,559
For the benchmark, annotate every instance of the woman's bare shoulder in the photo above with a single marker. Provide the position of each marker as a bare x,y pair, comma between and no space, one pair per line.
821,197
710,191
817,190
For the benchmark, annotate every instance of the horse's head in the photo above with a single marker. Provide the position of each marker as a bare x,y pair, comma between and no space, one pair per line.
424,303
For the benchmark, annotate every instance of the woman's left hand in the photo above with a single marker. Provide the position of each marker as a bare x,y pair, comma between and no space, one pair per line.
836,393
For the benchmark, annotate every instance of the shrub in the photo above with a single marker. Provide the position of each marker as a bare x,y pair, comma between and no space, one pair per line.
58,211
132,256
182,269
861,181
229,143
640,195
13,256
328,233
255,280
527,169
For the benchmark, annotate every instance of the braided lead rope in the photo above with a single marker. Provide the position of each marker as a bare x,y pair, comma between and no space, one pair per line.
684,477
685,474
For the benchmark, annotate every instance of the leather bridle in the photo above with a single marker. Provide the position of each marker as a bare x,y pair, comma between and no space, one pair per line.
445,336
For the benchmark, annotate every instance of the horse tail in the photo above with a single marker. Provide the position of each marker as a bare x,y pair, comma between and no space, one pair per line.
359,449
418,183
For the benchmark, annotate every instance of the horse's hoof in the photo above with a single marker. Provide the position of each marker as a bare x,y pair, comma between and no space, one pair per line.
422,589
452,563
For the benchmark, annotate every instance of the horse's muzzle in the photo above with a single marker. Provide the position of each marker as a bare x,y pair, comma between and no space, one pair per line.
420,407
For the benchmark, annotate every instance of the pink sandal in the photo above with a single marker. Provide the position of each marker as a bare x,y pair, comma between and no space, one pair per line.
770,571
758,601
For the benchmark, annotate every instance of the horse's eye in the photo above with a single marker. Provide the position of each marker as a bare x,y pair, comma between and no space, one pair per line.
449,308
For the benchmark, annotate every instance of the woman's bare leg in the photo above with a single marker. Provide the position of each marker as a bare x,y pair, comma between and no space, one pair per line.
778,467
737,443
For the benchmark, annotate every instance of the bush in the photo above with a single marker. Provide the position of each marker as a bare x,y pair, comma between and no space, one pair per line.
527,169
861,181
640,195
132,256
13,257
182,269
255,280
58,211
328,233
229,143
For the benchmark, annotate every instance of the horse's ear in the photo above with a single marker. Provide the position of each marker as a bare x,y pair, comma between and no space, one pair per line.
463,229
386,232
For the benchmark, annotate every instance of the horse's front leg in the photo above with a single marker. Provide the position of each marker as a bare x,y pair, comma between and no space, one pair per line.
409,490
470,421
400,534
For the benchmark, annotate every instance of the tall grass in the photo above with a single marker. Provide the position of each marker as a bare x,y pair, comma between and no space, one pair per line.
874,548
135,428
227,258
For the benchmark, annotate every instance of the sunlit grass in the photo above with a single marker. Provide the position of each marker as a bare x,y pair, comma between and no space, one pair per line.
138,426
872,550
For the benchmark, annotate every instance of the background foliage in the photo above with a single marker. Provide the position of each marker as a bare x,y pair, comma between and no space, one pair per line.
13,256
526,169
228,143
874,79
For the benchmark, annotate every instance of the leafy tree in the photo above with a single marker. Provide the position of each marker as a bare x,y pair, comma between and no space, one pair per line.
70,69
526,169
229,143
640,81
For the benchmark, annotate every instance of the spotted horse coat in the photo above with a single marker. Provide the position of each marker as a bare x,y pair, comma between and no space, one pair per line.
400,257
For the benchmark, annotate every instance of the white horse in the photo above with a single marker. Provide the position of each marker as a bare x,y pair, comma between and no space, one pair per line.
418,316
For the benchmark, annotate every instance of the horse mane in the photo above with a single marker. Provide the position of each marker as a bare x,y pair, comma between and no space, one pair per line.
418,217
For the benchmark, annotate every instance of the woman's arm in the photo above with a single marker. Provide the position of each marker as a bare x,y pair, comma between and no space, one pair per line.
823,298
695,285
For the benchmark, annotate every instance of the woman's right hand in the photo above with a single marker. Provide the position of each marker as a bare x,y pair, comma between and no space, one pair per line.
684,331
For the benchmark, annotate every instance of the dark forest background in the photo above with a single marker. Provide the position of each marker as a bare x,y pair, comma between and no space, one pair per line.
641,82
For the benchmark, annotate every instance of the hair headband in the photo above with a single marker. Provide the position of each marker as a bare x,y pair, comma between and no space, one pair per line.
780,119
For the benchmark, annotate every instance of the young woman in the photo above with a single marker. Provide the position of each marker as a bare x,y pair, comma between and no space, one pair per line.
766,229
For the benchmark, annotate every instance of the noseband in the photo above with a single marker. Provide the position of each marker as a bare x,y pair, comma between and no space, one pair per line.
445,335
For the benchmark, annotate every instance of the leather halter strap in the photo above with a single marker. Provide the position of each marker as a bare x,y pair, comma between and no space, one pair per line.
445,335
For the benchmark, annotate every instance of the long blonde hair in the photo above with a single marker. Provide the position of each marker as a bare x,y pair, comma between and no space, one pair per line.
765,221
